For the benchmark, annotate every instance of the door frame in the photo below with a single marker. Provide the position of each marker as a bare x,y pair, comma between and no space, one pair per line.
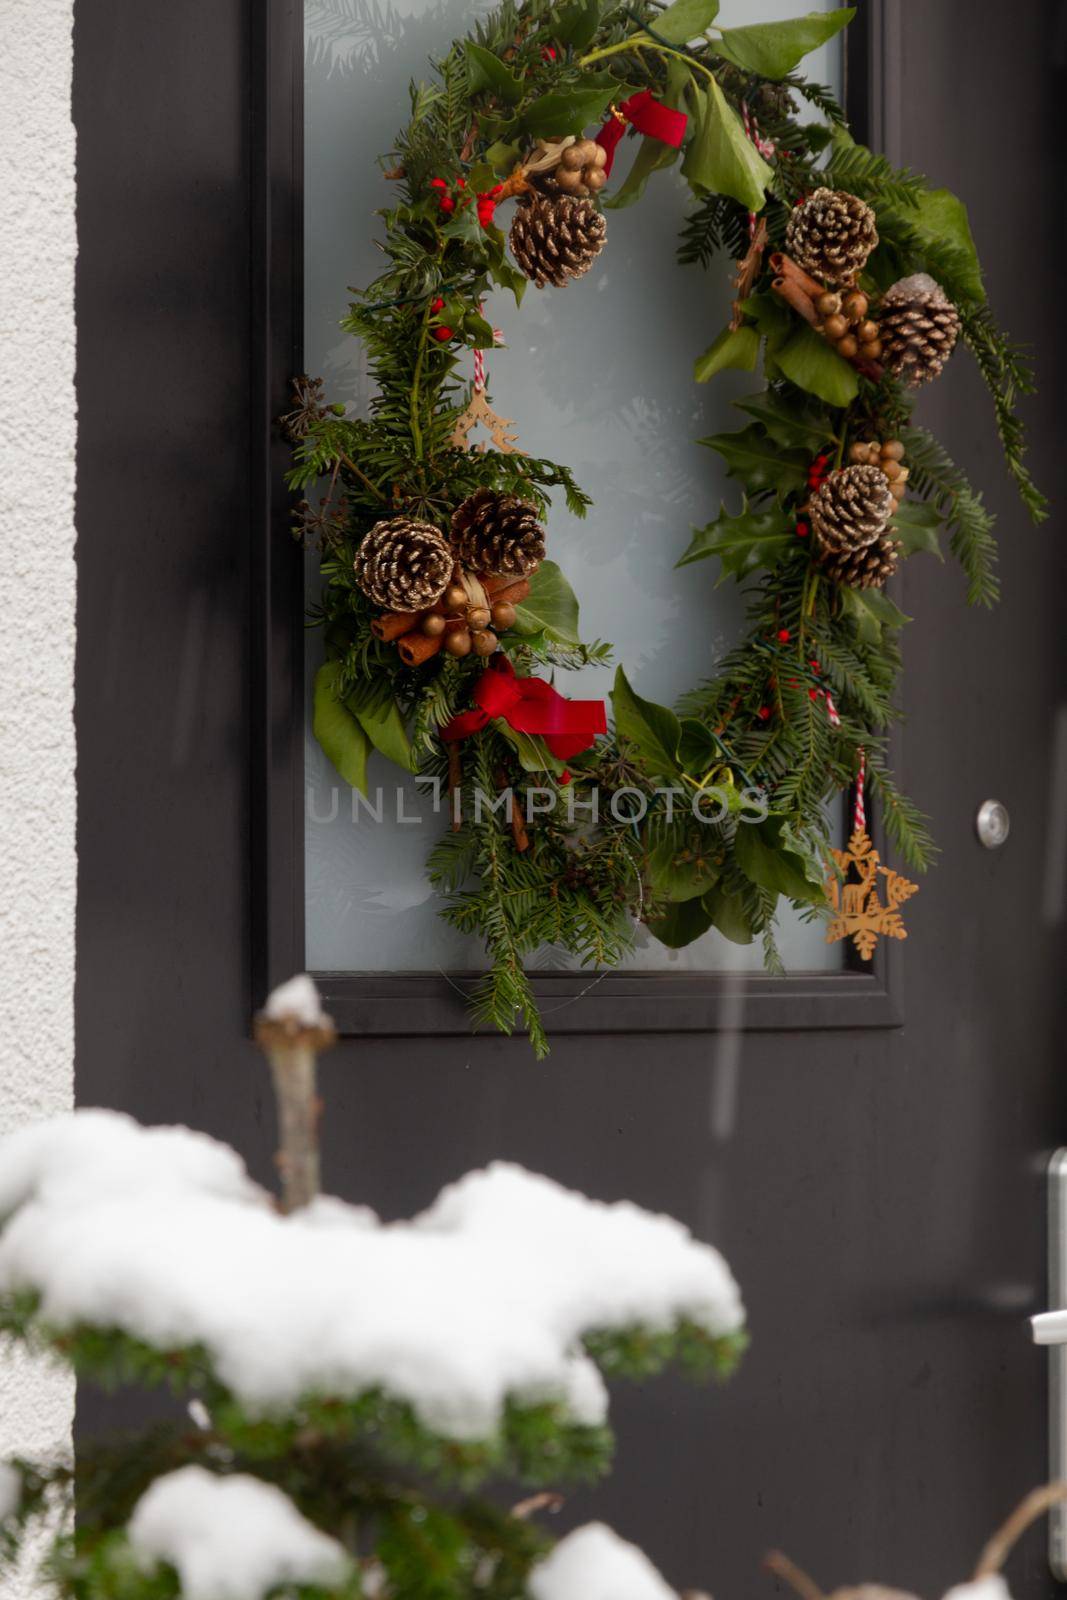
381,1004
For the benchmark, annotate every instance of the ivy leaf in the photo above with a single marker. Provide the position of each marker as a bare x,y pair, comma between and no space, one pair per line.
917,524
653,730
761,464
487,71
685,19
793,423
727,913
773,49
681,923
735,347
551,606
721,159
765,859
532,751
941,219
570,110
678,879
337,730
744,542
384,726
578,23
812,364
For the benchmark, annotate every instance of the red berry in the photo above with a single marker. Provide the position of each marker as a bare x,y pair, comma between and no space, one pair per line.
564,777
814,665
763,713
438,183
813,694
461,183
435,305
548,53
443,334
784,636
448,204
802,530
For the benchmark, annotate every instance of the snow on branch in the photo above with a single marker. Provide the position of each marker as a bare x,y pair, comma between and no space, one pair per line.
593,1563
231,1538
477,1306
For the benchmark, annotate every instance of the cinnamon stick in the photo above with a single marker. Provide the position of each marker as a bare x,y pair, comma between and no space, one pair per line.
792,293
784,266
393,624
417,647
514,590
748,270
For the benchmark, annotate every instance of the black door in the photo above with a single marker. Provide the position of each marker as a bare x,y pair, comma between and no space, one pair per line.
875,1177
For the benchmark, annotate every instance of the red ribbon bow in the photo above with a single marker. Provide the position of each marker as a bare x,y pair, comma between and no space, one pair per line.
648,115
529,705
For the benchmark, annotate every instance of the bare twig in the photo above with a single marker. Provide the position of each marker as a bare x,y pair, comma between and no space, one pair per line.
292,1038
748,270
1037,1502
798,1580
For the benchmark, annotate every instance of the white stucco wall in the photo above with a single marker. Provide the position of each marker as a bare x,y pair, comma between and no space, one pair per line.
37,796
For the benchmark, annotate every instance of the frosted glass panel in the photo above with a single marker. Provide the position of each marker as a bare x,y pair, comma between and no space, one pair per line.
596,375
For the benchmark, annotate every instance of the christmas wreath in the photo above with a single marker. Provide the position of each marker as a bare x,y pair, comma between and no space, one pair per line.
854,283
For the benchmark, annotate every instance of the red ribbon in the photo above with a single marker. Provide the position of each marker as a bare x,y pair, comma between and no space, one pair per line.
648,115
529,705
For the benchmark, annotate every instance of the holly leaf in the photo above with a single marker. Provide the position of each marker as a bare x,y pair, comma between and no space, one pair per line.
653,730
871,610
503,156
686,19
551,607
812,364
721,159
772,317
917,524
338,731
570,110
792,423
766,859
383,724
735,347
487,71
681,923
744,542
578,23
773,49
761,464
697,750
727,913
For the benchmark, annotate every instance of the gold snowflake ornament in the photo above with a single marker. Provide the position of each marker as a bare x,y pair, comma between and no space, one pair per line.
859,913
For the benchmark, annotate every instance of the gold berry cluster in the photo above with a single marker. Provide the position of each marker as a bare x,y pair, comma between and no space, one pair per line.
844,319
467,618
888,454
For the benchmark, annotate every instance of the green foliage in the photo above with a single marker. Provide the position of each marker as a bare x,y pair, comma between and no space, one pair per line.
773,49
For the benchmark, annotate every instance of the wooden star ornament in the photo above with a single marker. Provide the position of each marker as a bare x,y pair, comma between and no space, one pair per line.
858,912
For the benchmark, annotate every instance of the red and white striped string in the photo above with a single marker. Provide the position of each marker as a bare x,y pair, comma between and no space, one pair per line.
479,361
859,810
765,147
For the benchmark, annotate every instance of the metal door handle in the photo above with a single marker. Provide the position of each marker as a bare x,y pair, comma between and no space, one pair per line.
1050,1328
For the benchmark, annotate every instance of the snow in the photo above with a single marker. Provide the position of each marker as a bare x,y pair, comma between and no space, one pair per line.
480,1300
593,1563
299,999
10,1491
991,1588
230,1538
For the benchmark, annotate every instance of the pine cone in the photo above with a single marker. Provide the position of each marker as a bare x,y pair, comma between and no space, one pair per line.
867,568
404,565
918,326
851,510
831,234
498,534
556,237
